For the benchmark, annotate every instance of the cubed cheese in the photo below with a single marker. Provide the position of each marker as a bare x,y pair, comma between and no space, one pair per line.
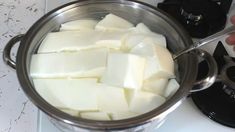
87,63
112,22
68,41
78,25
152,68
164,62
142,102
133,39
75,94
156,39
80,40
159,62
113,40
144,49
124,70
141,28
123,115
111,99
171,88
159,66
95,115
156,86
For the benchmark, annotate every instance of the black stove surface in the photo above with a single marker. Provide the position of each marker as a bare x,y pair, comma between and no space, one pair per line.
200,18
218,101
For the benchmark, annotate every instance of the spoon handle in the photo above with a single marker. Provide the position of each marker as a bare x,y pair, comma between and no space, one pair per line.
206,40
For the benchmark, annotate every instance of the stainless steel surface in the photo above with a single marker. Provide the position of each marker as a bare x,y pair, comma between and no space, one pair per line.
134,12
205,41
7,51
212,73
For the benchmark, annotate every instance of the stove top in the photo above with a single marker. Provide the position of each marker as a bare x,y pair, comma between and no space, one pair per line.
218,101
200,18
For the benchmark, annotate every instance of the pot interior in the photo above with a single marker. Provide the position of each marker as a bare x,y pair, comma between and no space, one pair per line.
132,11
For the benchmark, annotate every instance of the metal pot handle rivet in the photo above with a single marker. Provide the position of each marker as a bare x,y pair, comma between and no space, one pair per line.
212,73
7,51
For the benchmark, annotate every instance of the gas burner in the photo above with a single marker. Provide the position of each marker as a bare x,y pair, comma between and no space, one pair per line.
228,77
200,18
218,101
230,92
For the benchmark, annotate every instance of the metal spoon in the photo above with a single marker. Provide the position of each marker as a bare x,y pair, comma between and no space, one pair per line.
204,41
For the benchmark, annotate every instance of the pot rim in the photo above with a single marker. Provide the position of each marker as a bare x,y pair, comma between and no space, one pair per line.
166,108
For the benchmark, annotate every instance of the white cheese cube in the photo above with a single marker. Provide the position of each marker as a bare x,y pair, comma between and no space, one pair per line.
144,49
160,66
141,28
156,39
148,51
113,23
78,25
124,70
95,116
80,40
70,112
123,115
159,62
152,68
133,39
68,41
142,102
75,94
46,90
87,63
164,62
112,40
156,86
111,99
171,88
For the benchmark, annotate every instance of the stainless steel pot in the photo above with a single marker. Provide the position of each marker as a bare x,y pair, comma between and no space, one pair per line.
135,12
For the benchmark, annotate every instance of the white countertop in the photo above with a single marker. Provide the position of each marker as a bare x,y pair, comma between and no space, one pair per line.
17,113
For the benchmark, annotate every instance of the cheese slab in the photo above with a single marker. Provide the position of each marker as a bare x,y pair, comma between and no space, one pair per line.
112,40
134,39
112,22
74,94
156,39
142,102
124,70
159,62
79,25
68,41
111,99
144,49
89,63
95,115
164,62
156,86
171,88
141,28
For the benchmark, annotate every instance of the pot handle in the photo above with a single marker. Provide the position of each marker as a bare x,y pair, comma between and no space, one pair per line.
7,51
212,73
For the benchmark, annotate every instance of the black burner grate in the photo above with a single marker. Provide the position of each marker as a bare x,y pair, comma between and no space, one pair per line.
218,101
